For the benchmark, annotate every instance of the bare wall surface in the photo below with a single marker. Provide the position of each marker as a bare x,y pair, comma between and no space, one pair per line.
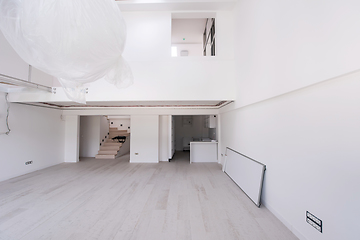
120,124
144,141
72,138
309,142
89,135
284,45
37,135
307,138
104,128
157,75
164,137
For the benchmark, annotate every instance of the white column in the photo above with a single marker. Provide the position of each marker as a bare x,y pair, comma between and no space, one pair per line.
164,138
144,141
72,130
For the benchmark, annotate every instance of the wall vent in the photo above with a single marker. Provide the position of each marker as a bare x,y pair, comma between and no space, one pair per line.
314,221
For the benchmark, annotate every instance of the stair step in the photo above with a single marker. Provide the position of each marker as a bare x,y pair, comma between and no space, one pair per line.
113,148
107,152
108,144
118,134
100,156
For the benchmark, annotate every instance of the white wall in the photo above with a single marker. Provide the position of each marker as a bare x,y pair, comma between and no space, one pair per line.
120,124
308,138
89,136
10,62
194,50
37,134
144,138
125,148
164,137
72,138
187,30
309,142
104,128
157,75
284,45
172,137
42,78
196,130
212,133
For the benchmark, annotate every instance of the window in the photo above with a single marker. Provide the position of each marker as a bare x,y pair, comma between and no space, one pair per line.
209,38
173,51
193,34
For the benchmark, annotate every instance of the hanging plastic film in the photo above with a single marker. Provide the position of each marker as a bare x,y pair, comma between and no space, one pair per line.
76,41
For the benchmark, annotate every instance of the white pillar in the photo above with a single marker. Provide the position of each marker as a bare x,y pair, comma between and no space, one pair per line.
72,132
144,141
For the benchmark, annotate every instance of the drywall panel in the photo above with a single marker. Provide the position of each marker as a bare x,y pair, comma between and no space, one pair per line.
89,136
309,141
72,132
37,135
247,173
144,141
284,45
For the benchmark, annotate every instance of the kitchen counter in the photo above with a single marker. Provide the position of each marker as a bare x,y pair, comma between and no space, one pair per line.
203,152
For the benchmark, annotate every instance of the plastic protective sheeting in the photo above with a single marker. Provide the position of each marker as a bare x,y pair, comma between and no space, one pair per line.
77,41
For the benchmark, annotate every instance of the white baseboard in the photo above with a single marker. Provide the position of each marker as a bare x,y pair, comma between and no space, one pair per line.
283,220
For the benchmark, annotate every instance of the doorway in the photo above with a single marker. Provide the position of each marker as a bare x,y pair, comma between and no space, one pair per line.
192,128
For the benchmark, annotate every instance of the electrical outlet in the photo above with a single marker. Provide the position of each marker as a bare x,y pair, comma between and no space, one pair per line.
314,221
28,162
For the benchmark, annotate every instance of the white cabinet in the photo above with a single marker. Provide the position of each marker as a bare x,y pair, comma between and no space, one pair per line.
203,152
10,62
210,121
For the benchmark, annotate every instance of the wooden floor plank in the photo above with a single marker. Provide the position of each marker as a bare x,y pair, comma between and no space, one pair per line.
115,199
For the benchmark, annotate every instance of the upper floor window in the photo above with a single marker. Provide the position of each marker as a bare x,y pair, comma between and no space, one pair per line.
193,34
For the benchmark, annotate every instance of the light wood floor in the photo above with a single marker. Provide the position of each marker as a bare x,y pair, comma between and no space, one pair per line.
113,199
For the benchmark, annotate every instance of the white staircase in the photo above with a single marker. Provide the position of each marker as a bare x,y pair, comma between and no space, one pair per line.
110,148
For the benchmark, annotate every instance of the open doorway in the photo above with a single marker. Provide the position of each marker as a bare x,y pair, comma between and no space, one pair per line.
104,137
196,138
193,34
